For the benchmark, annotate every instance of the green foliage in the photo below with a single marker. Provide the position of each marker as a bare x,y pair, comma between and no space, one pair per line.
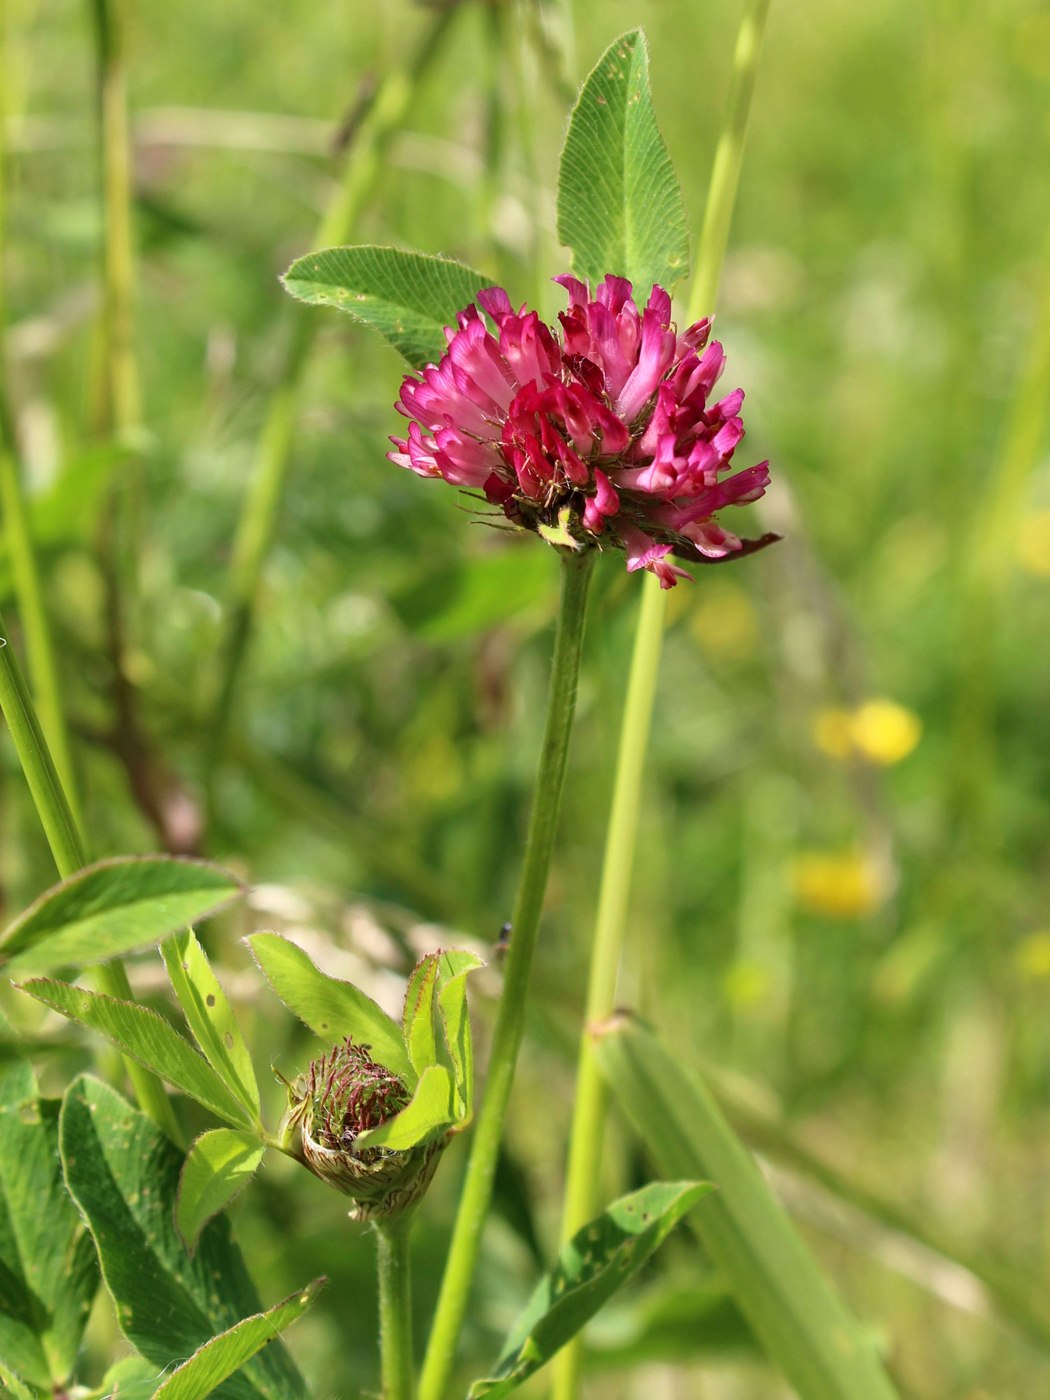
202,1374
441,978
218,1166
131,1378
619,205
427,1117
791,1307
48,1273
124,1174
332,1009
409,298
881,320
211,1018
112,908
147,1038
596,1262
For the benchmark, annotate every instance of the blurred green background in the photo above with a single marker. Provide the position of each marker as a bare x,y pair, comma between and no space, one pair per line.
841,897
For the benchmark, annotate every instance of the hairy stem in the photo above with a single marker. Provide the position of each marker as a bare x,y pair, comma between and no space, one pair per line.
510,1021
395,1309
583,1192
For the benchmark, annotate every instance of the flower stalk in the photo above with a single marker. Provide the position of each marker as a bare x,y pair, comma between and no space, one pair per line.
395,1308
510,1022
583,1188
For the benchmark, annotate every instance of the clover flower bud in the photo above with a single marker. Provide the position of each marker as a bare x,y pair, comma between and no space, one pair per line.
342,1095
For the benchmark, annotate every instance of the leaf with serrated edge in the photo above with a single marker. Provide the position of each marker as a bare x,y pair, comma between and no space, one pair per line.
409,298
619,204
591,1267
217,1168
112,908
48,1273
226,1353
123,1173
17,1387
455,967
210,1016
795,1313
332,1009
146,1037
418,1018
429,1115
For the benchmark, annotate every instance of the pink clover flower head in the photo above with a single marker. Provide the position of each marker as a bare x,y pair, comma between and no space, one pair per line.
602,431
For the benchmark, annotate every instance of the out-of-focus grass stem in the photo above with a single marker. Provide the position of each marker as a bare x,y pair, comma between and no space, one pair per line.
259,517
25,572
50,786
583,1177
122,397
32,612
729,156
68,850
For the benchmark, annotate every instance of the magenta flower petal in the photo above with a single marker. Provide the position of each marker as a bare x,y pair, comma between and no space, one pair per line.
601,426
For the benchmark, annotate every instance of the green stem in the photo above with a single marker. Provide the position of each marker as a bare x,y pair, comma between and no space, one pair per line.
583,1191
510,1021
122,406
729,155
259,518
395,1309
67,848
33,613
35,622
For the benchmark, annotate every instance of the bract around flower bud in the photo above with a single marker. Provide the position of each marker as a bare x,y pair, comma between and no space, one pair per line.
371,1115
600,433
342,1095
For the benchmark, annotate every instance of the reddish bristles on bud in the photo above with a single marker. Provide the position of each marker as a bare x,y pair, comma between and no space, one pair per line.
344,1094
602,429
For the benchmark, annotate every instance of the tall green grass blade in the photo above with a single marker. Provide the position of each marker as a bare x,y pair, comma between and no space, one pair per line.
805,1329
619,204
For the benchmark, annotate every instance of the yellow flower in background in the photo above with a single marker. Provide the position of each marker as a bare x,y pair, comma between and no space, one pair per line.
1033,544
879,731
885,732
838,884
1032,957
